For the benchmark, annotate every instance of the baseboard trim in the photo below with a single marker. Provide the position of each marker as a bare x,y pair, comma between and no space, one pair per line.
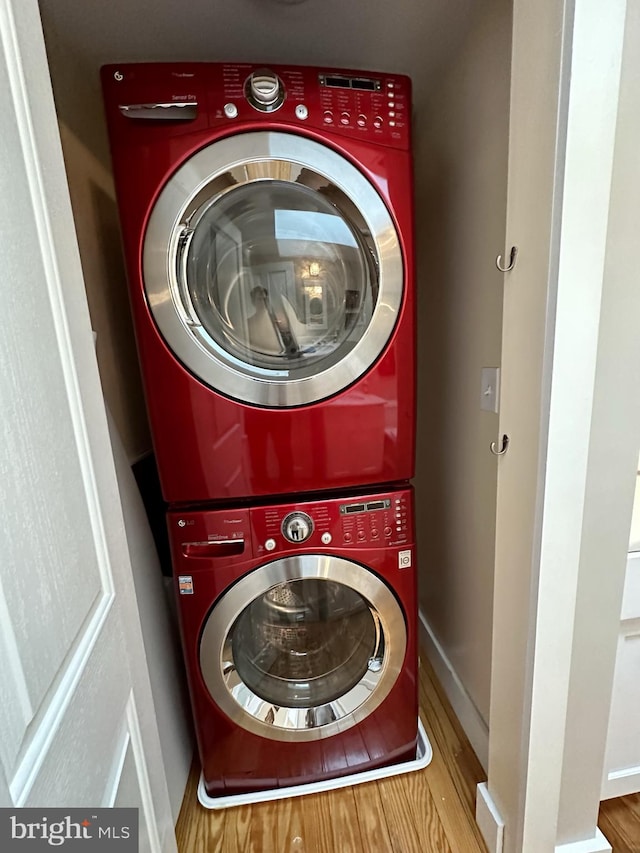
598,844
619,783
470,719
489,820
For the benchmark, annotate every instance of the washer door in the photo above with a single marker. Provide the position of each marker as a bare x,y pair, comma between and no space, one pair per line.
273,269
303,648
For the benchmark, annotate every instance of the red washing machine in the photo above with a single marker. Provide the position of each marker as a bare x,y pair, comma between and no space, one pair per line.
298,626
267,225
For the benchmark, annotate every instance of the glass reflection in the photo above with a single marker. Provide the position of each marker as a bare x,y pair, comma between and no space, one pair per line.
304,643
279,276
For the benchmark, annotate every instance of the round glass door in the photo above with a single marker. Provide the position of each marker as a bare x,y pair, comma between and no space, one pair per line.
279,278
305,643
273,269
303,647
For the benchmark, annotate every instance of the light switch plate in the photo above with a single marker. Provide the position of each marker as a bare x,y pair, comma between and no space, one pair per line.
490,390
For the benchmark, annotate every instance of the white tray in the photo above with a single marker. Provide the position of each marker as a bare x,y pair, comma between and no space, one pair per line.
424,754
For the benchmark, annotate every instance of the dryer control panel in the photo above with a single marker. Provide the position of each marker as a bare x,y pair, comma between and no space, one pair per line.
362,105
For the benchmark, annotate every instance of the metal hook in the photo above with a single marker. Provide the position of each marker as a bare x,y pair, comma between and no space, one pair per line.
512,260
493,447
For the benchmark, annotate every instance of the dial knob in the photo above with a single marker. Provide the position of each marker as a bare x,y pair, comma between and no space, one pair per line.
264,90
297,527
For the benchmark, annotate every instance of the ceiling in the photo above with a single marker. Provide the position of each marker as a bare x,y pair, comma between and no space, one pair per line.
406,37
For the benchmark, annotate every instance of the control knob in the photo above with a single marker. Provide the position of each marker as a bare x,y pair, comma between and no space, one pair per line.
264,90
297,527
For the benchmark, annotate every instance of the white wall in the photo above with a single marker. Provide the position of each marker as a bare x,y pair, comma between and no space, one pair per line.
461,184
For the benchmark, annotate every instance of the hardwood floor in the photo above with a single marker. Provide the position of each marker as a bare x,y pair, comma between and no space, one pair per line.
619,820
425,811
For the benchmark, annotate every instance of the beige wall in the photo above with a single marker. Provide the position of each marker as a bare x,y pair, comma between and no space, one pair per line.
461,176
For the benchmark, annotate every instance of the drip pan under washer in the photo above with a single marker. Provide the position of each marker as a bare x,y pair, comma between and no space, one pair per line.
424,754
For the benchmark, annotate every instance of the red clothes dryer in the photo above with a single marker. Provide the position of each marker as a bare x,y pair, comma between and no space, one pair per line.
267,225
298,627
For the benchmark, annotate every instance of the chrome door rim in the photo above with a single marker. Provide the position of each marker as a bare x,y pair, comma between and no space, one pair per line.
190,342
299,724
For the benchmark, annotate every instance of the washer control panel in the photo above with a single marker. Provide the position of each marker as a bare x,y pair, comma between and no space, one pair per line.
375,521
223,537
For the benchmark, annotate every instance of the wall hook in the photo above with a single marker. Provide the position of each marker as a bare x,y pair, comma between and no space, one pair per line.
512,260
494,447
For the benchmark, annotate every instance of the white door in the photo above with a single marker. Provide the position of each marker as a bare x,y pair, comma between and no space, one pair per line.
78,726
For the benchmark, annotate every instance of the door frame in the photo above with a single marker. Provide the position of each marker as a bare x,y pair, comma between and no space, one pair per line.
571,408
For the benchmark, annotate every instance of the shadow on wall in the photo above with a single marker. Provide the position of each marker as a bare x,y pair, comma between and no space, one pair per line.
145,472
111,315
435,322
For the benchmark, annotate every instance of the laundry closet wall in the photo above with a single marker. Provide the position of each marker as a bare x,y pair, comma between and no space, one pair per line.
461,180
457,54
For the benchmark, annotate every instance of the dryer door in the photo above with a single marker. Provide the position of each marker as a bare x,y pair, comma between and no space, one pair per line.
273,269
303,648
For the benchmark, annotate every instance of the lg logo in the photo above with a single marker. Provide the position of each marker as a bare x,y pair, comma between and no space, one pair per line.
118,75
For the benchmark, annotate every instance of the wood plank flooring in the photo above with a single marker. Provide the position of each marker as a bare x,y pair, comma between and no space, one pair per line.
425,811
619,820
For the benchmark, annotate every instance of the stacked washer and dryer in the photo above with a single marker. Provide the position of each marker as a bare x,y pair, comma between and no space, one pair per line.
267,226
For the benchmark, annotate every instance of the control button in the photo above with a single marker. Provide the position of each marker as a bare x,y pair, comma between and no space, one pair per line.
388,531
230,110
270,544
362,121
374,533
345,118
378,121
328,117
348,537
392,114
326,538
389,85
361,535
302,112
391,105
392,124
